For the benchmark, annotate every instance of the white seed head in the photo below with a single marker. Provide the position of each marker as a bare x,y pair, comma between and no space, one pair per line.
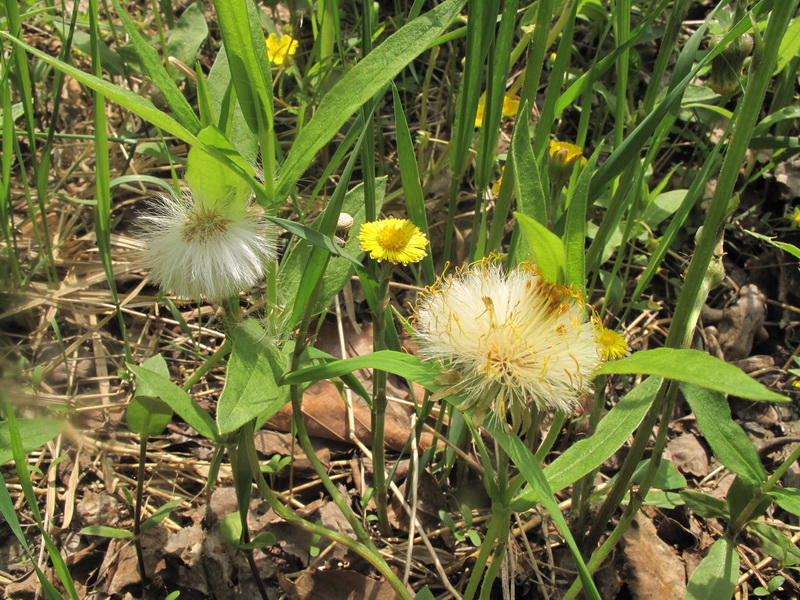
515,339
198,252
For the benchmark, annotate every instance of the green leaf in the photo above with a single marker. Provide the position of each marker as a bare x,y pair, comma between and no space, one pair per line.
125,98
790,45
531,197
211,181
109,532
548,250
692,366
727,439
33,433
424,594
788,499
247,57
179,401
612,432
146,414
575,228
188,34
705,505
251,388
159,515
667,477
529,467
231,530
790,248
154,69
359,85
399,363
717,575
775,543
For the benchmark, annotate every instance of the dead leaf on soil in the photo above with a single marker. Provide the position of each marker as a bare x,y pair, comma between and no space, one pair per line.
338,585
688,455
654,571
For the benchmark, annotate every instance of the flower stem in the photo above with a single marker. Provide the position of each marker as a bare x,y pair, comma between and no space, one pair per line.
379,404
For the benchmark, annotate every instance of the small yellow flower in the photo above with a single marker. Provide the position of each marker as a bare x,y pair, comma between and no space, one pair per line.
510,106
395,240
794,218
280,49
563,157
565,154
498,184
610,344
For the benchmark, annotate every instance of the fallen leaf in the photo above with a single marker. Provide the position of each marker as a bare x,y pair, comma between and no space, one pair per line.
654,570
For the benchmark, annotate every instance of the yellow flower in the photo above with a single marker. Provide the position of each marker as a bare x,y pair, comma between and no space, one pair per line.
517,340
510,106
565,154
395,240
497,185
794,218
610,344
280,49
563,157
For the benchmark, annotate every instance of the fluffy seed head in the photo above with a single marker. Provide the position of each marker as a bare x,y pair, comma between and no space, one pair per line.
198,251
516,339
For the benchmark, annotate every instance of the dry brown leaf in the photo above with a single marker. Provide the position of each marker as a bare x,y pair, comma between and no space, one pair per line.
339,585
654,571
688,455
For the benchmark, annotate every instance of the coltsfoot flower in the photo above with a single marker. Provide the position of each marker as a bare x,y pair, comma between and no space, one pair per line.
199,250
510,107
280,49
610,344
517,340
794,218
394,240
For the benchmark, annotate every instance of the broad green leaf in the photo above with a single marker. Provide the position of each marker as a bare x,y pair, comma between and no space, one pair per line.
227,112
231,530
531,196
247,56
790,45
360,84
33,432
717,575
159,515
775,543
548,250
212,182
179,401
612,432
705,505
154,69
727,439
529,467
695,367
109,532
788,499
251,387
146,414
667,477
188,34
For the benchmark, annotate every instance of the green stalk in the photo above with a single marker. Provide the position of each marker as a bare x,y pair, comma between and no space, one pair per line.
379,403
622,31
